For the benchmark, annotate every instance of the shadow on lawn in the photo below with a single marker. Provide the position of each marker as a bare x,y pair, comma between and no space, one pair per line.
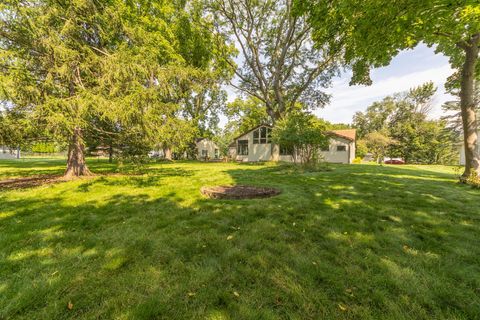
381,243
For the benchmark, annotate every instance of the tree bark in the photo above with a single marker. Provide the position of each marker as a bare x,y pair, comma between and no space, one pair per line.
110,153
76,165
167,153
467,105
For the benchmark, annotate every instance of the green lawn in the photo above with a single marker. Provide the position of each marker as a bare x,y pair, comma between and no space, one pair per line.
357,242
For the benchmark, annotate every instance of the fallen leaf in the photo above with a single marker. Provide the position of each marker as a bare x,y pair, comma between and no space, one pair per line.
235,293
342,307
191,294
69,305
230,237
314,263
348,290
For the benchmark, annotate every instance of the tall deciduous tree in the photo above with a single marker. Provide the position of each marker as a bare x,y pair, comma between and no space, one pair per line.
403,117
280,66
371,33
243,115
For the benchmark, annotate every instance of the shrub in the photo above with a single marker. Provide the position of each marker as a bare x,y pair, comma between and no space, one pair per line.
357,160
303,134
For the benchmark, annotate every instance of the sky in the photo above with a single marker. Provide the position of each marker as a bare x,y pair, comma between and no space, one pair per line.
409,69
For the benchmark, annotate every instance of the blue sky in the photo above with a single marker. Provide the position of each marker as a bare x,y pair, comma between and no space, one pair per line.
409,69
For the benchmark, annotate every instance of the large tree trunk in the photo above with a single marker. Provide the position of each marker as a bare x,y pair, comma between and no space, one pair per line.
76,165
167,153
467,105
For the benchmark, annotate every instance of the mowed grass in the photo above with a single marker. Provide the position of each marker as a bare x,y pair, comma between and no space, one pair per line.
357,242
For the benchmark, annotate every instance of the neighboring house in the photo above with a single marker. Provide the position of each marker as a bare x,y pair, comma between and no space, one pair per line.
461,149
206,148
256,145
7,153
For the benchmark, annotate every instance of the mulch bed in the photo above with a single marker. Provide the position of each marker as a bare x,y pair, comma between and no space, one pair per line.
29,182
238,192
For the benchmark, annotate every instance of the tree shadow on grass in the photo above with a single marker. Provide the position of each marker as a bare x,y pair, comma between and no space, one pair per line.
384,242
376,244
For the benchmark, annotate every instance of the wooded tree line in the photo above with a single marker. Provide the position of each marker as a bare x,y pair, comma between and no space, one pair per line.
139,74
399,127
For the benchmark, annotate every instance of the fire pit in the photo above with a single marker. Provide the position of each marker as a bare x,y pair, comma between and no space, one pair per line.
238,192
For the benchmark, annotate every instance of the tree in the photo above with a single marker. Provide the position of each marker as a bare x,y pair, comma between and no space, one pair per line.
372,33
377,143
303,135
206,51
403,117
375,118
453,114
281,67
121,62
361,149
244,114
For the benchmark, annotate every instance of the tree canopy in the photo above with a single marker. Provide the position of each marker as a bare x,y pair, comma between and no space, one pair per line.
403,120
279,65
135,66
370,33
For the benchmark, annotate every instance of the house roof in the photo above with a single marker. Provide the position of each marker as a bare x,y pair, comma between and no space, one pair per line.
349,134
260,125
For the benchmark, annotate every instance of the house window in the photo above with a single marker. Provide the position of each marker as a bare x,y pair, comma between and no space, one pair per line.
262,135
216,154
341,148
242,147
204,153
285,151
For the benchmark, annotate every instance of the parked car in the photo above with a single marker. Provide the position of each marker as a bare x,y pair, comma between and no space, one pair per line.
394,161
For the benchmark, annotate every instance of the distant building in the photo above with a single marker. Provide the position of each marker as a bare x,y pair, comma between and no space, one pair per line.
7,153
207,149
256,145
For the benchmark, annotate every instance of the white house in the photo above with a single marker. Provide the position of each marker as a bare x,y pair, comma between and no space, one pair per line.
256,145
206,148
7,153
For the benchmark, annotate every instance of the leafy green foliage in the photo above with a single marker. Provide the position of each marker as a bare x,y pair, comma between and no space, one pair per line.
44,147
279,64
370,33
133,68
244,115
303,134
404,119
378,144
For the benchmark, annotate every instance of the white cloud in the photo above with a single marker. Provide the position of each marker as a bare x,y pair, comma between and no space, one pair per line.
346,100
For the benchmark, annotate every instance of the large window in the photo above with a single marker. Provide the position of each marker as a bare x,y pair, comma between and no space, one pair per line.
341,148
242,147
262,135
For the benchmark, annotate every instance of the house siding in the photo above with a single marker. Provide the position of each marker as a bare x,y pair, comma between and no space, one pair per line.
335,156
271,152
207,145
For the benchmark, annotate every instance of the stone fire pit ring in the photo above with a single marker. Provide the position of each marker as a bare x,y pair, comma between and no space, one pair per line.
238,192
